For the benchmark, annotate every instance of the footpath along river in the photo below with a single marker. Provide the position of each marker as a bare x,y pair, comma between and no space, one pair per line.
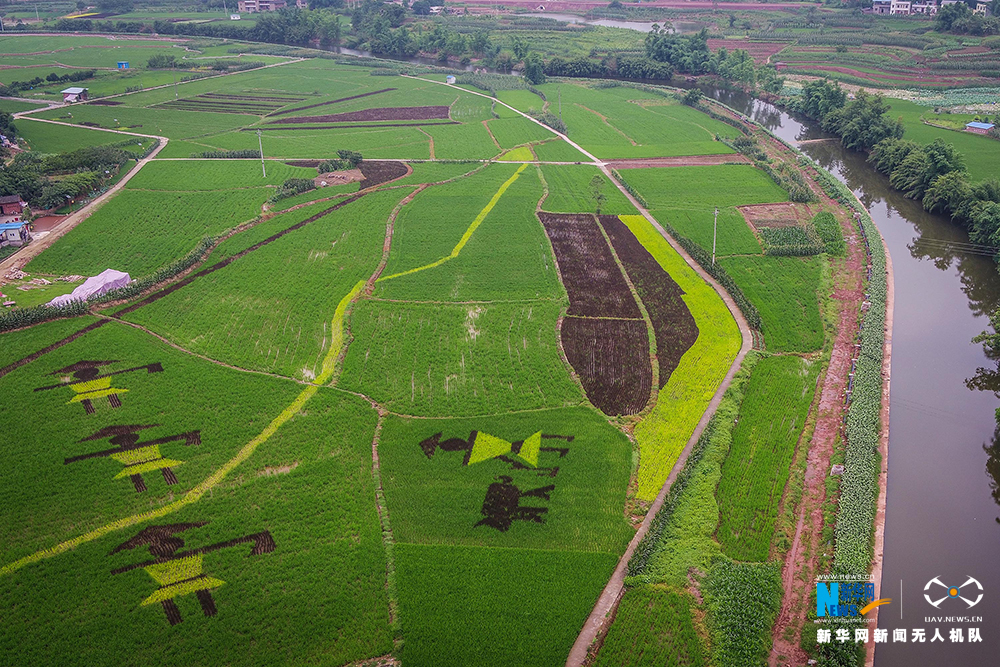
942,514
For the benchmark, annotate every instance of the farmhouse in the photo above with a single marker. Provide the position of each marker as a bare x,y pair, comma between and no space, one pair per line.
881,7
253,6
925,7
13,233
11,208
899,8
982,9
979,128
74,94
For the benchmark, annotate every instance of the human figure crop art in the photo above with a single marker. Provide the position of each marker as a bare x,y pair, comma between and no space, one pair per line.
180,573
88,384
138,457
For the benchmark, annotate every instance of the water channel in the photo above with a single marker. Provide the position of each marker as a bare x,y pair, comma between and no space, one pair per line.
942,514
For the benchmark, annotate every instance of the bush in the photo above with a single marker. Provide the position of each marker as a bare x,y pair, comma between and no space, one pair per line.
292,187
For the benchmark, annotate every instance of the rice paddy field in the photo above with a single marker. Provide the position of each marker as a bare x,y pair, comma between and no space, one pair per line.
412,415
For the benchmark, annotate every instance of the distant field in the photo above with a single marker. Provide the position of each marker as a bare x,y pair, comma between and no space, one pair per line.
982,154
625,122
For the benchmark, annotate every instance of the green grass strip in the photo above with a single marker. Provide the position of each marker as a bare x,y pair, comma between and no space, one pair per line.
468,232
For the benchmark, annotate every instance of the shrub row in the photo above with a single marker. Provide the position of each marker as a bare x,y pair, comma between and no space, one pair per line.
24,317
859,484
228,155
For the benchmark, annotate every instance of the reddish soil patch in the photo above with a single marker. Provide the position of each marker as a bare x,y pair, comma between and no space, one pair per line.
47,223
915,76
589,272
379,172
776,215
680,161
611,358
968,49
342,177
673,325
759,51
338,101
373,115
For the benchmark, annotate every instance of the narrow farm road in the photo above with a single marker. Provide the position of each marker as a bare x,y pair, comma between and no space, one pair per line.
609,598
33,249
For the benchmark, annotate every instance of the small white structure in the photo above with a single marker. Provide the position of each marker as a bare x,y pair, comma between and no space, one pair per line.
104,282
234,17
13,233
450,79
899,8
74,94
982,9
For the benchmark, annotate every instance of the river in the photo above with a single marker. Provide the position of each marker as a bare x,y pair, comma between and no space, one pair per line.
942,518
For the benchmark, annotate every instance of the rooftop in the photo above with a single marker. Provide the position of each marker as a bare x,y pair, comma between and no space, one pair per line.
11,225
74,90
981,126
10,199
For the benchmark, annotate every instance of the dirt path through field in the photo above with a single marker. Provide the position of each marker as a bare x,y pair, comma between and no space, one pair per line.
608,123
486,124
33,249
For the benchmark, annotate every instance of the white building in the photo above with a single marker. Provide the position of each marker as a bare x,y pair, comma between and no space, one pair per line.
982,9
900,8
925,7
881,7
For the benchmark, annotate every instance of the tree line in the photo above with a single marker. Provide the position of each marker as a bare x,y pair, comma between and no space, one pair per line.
933,174
80,171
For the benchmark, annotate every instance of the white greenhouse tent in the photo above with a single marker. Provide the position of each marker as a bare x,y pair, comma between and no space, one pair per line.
106,281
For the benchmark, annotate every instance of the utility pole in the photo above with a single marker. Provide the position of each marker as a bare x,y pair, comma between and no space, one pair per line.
559,90
261,144
175,84
715,230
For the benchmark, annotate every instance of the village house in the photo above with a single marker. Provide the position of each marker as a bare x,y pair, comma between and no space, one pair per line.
254,6
74,94
925,7
899,8
11,208
881,7
13,233
982,9
979,128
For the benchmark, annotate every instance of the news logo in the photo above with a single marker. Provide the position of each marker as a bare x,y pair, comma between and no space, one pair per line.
846,599
954,592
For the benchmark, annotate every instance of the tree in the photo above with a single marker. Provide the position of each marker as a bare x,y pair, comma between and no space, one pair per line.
421,7
949,194
863,122
534,69
949,14
520,48
479,43
692,97
596,187
821,97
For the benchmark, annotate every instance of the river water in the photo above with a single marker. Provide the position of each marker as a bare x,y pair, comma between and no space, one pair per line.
942,514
